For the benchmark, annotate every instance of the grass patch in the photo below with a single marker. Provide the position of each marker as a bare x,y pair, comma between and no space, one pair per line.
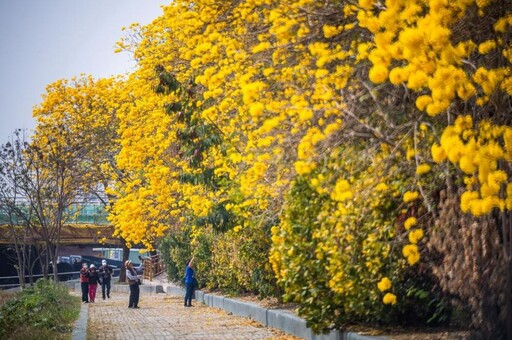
45,311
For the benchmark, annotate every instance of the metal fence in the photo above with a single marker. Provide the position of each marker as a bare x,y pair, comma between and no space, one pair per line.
71,274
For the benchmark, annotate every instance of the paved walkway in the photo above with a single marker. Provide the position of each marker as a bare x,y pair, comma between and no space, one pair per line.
164,317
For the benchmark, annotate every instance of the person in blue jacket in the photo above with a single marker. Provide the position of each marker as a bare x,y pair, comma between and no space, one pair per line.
190,281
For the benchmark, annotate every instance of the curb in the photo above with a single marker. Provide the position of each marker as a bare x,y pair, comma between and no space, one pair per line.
275,318
80,328
147,289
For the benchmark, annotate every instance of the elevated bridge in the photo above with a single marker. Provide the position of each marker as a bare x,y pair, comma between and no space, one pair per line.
86,224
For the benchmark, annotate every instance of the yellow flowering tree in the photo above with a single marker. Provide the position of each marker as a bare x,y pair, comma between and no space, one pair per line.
74,122
267,93
454,58
294,94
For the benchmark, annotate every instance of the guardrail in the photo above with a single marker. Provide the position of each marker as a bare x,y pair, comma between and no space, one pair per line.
153,266
12,285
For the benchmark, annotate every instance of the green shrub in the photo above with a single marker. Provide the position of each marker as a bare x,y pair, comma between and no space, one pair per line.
176,251
340,234
43,311
240,262
234,262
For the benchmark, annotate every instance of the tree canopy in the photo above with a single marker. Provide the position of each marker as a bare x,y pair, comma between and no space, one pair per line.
320,151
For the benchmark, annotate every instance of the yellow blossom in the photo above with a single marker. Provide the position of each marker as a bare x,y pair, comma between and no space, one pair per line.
381,187
438,153
389,299
411,252
423,169
487,46
384,284
422,102
378,74
410,196
410,222
415,235
256,109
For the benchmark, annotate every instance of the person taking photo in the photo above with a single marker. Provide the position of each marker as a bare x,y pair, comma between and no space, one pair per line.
134,282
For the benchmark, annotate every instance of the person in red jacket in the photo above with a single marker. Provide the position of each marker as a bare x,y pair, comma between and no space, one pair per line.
84,281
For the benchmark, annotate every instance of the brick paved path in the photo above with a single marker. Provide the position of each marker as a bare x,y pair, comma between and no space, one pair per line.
164,317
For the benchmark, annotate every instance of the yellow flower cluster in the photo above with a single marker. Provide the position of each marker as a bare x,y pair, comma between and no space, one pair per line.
415,235
423,169
389,299
410,222
413,46
341,191
410,196
478,151
411,252
384,284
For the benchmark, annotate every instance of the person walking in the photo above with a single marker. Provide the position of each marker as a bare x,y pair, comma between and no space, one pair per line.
84,282
134,282
93,282
190,283
105,273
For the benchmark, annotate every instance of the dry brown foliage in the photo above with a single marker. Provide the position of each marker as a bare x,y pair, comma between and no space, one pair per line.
472,265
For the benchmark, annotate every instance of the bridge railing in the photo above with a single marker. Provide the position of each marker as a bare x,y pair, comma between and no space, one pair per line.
77,214
88,214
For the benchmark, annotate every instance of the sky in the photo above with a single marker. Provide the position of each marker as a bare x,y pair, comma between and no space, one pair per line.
44,41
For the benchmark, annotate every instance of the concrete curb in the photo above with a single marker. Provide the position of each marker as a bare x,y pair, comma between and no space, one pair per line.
275,318
144,289
247,309
176,291
80,327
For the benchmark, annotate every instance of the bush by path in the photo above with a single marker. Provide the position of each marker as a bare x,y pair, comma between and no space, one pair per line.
45,311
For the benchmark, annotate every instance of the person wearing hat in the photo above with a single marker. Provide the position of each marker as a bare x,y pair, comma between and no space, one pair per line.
105,272
84,282
134,282
93,282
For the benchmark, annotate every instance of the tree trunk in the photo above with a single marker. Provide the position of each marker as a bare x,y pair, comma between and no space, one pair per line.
31,264
55,267
44,264
20,253
20,248
126,256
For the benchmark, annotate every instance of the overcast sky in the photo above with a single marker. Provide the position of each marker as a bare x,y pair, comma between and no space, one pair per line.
43,41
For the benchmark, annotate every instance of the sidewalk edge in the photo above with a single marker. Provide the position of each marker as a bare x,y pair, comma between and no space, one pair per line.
80,327
275,318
